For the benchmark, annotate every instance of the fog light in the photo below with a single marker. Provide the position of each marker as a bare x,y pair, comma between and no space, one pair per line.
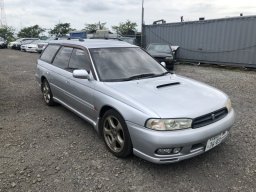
164,151
176,150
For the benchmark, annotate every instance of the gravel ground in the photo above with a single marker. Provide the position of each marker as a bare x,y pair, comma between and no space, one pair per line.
50,149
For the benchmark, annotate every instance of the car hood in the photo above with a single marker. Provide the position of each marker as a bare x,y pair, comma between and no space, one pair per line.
159,54
186,99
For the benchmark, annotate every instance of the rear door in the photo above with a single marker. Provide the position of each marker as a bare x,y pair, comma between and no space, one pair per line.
44,64
60,75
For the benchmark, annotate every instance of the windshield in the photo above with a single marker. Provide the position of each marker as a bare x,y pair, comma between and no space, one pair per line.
123,64
162,48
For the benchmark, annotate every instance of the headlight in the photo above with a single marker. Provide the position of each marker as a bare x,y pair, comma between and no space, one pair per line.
168,124
228,105
168,58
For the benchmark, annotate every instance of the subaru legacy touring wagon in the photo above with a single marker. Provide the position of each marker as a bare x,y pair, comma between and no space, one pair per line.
132,101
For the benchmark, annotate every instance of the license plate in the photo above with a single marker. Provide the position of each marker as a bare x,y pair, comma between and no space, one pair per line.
214,141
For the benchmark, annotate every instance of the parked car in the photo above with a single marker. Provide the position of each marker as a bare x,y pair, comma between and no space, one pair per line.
32,46
17,44
162,53
3,43
132,101
25,43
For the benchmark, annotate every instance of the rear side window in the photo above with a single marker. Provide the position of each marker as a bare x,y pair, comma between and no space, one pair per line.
49,53
79,60
62,58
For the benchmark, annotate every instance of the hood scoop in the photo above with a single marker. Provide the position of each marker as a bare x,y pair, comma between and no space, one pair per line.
168,84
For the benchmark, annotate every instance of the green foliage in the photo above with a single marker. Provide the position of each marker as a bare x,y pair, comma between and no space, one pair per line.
33,31
61,29
92,28
125,28
7,33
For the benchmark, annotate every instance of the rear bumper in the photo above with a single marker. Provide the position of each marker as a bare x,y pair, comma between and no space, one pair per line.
192,141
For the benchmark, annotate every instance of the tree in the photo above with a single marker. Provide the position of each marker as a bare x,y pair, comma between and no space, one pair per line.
61,29
92,28
127,28
7,33
33,31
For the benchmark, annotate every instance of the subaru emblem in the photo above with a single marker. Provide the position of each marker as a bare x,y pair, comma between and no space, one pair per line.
213,116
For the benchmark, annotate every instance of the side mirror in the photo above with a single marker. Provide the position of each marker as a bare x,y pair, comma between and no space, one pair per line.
81,74
163,64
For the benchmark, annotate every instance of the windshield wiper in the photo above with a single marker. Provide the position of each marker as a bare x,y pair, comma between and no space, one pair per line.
165,73
162,74
140,76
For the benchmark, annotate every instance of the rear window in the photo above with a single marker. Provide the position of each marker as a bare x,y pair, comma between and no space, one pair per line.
49,53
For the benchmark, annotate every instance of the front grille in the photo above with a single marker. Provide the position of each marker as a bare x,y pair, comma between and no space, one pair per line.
209,118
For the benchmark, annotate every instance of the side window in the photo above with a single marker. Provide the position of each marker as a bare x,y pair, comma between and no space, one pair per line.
79,60
49,53
62,58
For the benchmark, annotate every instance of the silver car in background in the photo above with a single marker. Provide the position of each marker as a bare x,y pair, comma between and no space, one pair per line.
30,46
133,102
17,44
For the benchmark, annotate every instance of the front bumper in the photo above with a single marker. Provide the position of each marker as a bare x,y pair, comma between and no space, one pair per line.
193,141
31,49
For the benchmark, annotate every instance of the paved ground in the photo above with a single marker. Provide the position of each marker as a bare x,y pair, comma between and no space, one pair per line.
50,149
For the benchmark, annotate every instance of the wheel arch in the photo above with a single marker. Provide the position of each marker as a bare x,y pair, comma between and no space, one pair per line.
103,110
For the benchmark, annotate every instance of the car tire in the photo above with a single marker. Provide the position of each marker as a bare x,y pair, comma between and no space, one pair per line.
47,93
115,134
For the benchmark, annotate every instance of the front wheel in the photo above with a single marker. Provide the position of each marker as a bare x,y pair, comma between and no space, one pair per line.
47,93
116,135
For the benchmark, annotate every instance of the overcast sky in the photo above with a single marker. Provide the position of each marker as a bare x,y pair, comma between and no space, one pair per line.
47,13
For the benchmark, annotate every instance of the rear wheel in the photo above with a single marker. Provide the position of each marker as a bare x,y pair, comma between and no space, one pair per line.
47,93
116,135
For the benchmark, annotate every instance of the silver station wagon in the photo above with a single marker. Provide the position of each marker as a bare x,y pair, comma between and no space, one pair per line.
132,101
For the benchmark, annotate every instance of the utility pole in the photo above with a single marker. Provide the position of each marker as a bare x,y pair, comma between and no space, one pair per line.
3,15
142,22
